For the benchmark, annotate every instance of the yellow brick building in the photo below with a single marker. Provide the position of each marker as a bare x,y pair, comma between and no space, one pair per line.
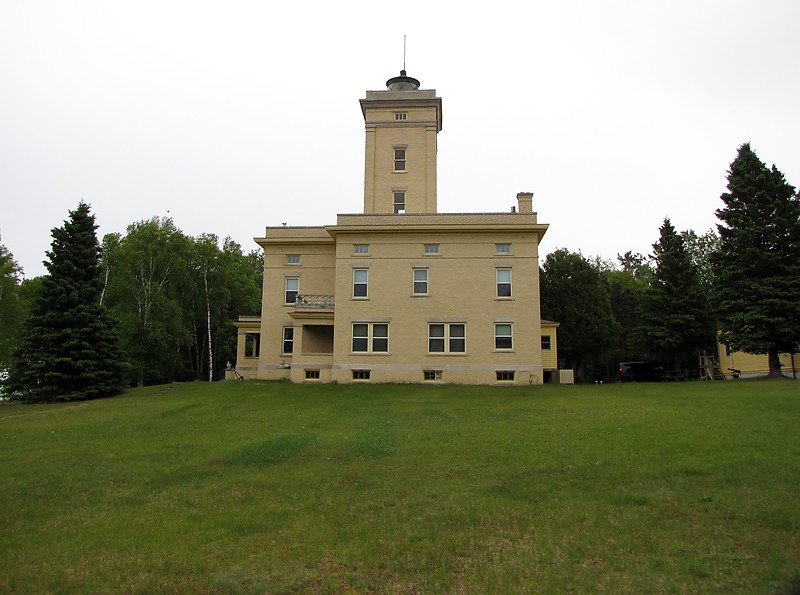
400,292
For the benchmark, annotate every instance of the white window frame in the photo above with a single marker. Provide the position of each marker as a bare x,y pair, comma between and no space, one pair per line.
506,375
432,375
375,336
400,159
417,284
503,284
292,259
548,340
398,207
399,116
361,375
503,248
312,375
360,248
287,291
360,285
448,339
504,336
430,249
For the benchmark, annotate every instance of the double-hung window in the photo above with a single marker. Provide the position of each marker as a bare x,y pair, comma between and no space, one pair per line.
446,338
360,277
420,281
546,343
399,201
288,340
504,283
502,336
292,289
399,159
370,337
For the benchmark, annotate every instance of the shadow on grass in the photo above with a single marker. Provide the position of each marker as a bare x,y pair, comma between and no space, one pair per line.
270,452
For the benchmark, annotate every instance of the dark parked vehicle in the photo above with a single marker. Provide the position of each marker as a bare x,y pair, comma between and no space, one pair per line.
642,371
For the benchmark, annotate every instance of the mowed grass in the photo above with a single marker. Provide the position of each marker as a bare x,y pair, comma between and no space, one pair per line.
277,488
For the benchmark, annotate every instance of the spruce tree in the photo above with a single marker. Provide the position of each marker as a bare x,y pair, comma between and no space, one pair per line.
676,321
758,262
68,349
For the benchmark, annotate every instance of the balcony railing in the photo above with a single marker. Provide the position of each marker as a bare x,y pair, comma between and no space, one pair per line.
317,302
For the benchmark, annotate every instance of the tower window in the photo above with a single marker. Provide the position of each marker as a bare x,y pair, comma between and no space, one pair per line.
399,159
400,116
292,289
504,283
360,279
420,281
399,201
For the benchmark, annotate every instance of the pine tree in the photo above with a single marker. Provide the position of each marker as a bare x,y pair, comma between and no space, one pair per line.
69,348
676,321
758,261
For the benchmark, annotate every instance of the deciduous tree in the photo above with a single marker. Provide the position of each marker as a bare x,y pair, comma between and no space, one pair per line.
150,272
573,293
10,306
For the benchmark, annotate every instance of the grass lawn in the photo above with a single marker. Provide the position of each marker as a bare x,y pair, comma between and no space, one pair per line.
248,487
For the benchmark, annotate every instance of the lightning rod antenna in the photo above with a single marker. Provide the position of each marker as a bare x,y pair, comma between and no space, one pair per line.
404,51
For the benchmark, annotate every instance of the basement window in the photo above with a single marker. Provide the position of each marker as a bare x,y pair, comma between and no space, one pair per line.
432,375
361,374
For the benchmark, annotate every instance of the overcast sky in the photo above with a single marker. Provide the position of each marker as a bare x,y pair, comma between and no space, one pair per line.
231,116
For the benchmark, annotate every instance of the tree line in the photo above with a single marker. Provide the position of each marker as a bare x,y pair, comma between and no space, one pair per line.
739,284
148,307
155,305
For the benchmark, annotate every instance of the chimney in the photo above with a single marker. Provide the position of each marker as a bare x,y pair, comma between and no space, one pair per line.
525,200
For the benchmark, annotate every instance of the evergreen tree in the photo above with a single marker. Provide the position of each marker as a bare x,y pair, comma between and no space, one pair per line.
676,320
758,261
68,348
628,282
